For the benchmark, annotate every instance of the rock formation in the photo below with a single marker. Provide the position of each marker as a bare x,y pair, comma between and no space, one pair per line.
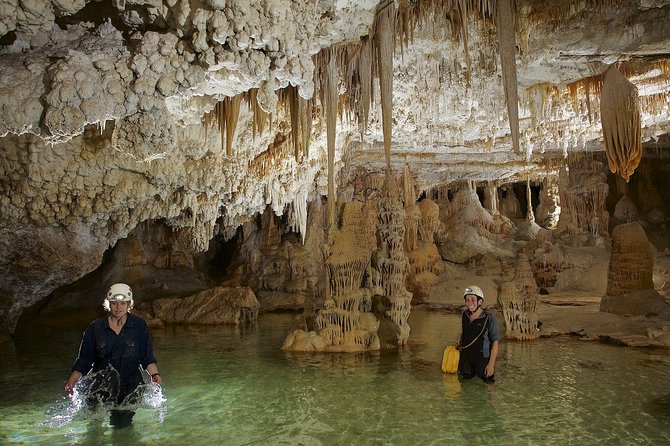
630,288
518,301
206,116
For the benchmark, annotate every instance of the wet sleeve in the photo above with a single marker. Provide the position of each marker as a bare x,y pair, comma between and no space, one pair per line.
86,356
494,333
147,356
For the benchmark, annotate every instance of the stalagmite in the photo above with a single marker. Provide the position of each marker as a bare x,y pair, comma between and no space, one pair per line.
491,197
518,300
345,323
620,115
630,284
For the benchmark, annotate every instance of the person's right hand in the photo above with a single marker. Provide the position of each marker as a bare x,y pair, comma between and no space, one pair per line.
71,382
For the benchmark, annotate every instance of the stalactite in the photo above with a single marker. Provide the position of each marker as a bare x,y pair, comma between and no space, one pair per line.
300,213
621,123
266,161
384,33
365,79
506,12
225,115
330,91
301,121
259,115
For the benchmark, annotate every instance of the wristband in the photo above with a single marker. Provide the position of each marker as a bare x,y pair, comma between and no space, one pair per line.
155,374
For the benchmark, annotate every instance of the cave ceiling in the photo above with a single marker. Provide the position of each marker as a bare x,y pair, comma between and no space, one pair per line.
116,112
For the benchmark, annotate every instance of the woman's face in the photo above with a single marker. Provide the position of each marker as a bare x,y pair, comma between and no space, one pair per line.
119,308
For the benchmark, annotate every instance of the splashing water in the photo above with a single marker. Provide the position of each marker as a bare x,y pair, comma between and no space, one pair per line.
94,396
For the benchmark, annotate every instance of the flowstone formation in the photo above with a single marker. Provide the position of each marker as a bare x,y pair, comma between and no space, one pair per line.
345,323
630,286
469,229
425,263
583,190
547,258
518,301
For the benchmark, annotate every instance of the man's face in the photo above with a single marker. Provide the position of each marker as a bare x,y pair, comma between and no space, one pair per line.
471,302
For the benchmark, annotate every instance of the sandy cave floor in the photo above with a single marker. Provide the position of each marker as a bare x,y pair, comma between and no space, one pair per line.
568,311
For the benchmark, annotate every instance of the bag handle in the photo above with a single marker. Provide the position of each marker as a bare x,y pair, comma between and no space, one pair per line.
480,333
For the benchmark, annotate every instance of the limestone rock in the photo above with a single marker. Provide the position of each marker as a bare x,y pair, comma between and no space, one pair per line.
215,306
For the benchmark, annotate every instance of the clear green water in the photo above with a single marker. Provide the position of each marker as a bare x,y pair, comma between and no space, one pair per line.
235,387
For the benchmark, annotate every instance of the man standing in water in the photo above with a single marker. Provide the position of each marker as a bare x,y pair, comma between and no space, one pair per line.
478,341
119,345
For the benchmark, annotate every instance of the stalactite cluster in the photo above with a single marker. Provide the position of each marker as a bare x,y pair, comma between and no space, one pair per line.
265,162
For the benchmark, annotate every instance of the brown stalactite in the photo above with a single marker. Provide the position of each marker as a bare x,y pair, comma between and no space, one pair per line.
331,79
622,127
507,48
384,31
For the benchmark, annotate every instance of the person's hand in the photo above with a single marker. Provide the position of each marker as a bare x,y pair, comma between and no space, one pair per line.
457,345
490,370
156,378
71,382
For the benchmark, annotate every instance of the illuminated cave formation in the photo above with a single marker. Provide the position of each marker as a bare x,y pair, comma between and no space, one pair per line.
583,190
620,113
107,125
390,261
345,323
518,301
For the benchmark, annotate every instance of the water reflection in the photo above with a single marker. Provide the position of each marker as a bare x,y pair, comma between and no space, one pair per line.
236,387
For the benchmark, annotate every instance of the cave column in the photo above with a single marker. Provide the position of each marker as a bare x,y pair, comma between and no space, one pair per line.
530,216
491,197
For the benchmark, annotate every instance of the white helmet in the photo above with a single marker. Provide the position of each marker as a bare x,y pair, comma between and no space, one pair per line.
475,290
119,292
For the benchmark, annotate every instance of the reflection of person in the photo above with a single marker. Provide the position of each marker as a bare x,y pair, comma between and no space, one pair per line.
478,341
122,341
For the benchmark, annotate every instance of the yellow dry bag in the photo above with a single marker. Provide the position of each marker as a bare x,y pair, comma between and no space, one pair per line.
450,359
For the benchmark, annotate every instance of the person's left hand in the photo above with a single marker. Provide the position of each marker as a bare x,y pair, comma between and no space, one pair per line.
156,378
490,370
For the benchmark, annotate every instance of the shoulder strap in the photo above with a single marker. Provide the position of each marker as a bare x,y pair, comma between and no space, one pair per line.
480,333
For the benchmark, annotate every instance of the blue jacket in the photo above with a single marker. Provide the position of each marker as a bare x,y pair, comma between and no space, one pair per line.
126,352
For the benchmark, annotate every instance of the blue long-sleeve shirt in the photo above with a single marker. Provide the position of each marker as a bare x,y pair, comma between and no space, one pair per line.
131,348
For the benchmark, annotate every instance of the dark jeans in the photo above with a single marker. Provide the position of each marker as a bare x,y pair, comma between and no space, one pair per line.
471,366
